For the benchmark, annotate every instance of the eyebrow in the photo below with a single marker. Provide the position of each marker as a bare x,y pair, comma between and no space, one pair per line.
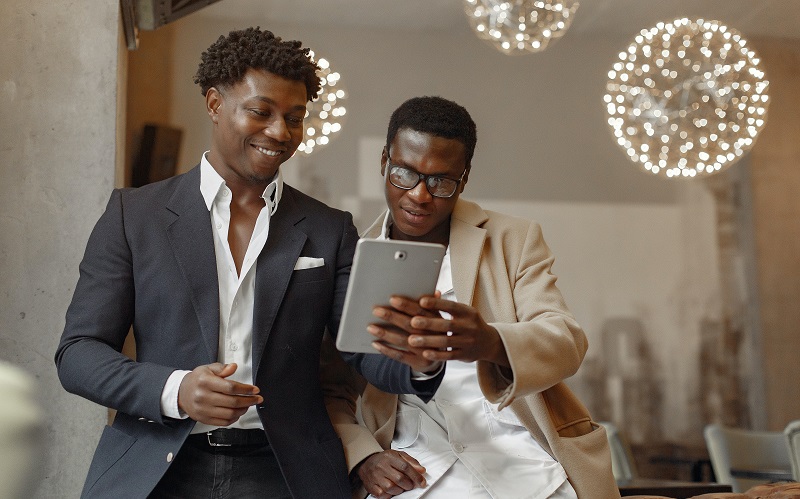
272,102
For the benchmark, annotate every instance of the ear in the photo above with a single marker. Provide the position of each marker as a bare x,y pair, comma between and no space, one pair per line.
384,159
213,103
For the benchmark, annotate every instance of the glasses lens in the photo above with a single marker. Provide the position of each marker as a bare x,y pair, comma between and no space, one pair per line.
441,187
403,177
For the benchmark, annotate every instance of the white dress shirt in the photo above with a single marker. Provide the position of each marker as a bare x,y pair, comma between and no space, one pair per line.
236,291
468,448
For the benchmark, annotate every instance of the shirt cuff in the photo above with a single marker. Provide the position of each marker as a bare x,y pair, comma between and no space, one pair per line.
420,376
169,396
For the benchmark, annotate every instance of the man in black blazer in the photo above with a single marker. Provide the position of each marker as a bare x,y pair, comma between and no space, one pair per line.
229,278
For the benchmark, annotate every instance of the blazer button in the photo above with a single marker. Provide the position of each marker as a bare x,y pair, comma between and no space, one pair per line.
169,457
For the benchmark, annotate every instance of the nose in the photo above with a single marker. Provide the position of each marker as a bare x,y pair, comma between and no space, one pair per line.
277,130
420,193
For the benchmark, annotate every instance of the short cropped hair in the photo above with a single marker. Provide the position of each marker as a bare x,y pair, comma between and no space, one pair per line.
436,116
227,60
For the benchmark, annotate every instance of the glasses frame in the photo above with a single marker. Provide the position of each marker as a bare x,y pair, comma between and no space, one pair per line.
421,177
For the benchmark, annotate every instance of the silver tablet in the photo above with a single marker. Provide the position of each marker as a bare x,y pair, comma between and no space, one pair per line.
381,269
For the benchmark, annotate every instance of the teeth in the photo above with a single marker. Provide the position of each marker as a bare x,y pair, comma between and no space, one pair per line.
267,151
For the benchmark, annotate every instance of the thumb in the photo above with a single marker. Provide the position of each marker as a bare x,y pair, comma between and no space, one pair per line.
222,370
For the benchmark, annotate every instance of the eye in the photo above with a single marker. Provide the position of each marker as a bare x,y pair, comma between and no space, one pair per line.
259,112
295,120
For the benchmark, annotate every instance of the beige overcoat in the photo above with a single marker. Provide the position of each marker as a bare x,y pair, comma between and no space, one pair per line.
501,266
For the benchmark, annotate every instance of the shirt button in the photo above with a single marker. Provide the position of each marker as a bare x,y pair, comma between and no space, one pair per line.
458,448
234,346
169,457
219,225
225,193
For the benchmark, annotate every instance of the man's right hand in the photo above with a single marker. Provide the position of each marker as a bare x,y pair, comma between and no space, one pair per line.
390,473
207,397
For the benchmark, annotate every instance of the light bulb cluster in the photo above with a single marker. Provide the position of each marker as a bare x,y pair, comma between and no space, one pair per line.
686,98
520,26
325,114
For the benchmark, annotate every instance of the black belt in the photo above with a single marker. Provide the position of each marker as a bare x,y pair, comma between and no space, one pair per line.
228,437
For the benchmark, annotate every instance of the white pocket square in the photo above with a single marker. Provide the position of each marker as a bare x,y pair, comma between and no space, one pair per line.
306,262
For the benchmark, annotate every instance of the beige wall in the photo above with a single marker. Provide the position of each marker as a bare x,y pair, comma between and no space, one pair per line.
58,130
150,69
775,179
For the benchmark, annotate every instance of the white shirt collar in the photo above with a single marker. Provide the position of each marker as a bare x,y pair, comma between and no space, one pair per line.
211,184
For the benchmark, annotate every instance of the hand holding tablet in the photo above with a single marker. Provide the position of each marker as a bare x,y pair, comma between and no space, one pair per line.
381,269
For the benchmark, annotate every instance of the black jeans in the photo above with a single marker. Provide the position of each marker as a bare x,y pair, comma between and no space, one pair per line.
240,471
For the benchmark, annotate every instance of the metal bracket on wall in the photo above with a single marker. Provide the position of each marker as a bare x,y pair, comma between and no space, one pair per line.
152,14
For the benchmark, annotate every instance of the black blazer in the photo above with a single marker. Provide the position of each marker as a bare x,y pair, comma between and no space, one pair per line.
150,263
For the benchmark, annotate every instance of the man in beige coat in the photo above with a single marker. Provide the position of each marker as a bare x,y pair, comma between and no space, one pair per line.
502,313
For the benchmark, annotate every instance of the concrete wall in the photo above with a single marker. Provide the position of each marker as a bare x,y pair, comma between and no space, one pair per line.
58,82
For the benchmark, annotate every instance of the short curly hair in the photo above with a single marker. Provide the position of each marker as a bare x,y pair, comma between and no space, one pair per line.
436,116
227,60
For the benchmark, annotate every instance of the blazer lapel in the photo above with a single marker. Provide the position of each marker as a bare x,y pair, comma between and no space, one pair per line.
192,244
274,269
466,245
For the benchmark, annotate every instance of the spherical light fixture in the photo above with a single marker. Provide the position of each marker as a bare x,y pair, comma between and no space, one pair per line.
520,26
325,114
686,98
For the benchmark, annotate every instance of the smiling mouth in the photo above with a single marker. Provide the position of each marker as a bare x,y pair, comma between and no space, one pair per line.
268,152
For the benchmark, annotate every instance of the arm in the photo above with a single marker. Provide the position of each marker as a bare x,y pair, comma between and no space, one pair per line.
89,358
373,470
385,373
544,346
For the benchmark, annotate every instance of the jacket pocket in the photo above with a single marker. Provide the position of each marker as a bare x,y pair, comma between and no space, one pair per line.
406,431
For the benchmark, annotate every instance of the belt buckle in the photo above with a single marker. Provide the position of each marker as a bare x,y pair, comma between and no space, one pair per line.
214,444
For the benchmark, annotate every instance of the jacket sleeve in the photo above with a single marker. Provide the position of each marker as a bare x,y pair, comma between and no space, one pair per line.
386,374
545,345
88,357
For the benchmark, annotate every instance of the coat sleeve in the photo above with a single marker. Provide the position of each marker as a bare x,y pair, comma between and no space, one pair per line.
545,345
88,357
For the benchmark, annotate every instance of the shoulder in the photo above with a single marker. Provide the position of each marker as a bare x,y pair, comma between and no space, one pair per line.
312,207
495,223
164,187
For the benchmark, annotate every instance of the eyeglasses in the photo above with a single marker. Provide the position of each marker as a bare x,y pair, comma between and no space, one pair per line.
438,186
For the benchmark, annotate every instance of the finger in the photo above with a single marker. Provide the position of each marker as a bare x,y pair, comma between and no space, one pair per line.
408,306
435,324
222,370
237,388
395,338
436,341
443,355
412,461
410,357
441,304
395,318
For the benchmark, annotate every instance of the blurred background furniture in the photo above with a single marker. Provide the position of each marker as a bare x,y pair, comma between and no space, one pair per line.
622,463
792,433
745,458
